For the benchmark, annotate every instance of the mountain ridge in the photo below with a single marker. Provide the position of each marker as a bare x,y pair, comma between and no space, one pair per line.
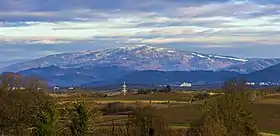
75,76
93,76
270,74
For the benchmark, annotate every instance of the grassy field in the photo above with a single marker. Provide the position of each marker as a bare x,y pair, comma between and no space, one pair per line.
177,111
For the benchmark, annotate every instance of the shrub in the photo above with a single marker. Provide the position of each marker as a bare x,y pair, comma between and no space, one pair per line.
201,96
116,107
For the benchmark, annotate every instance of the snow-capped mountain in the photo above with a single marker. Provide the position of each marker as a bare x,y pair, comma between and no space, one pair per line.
140,57
110,66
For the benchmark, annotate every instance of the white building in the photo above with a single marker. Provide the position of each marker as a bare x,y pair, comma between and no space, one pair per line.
71,88
113,94
186,85
250,83
22,88
264,84
39,89
56,88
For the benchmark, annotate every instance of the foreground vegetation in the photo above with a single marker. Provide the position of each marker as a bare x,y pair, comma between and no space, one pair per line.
233,111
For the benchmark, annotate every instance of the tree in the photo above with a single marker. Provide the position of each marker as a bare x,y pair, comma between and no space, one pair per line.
167,89
147,123
141,91
79,120
229,115
33,83
20,111
9,81
48,119
239,86
13,81
235,85
278,90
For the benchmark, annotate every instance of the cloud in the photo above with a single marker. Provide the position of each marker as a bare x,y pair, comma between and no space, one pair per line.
47,42
54,5
215,40
209,23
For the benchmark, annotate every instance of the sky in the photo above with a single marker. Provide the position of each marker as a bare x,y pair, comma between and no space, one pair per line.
36,28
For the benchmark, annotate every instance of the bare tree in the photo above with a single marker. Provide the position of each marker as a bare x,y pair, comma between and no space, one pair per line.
33,83
20,110
147,123
7,81
14,81
235,85
229,115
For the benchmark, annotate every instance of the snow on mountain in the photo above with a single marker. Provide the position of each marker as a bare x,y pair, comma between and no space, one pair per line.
140,57
237,59
201,56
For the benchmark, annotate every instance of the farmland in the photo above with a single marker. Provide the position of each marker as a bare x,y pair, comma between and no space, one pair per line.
175,108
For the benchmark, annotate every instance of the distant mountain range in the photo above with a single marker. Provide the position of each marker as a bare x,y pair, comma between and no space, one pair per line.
143,64
102,76
11,62
76,76
178,77
99,76
270,74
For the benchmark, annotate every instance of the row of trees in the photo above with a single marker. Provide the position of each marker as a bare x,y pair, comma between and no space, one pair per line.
166,89
14,81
